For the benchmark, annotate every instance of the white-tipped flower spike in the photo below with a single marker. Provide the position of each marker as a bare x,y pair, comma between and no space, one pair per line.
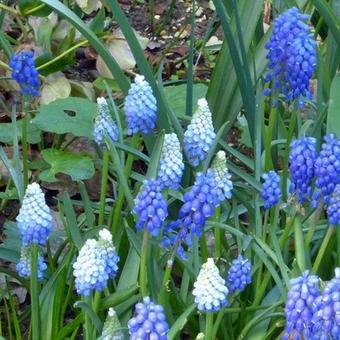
210,290
104,123
140,107
200,134
95,264
34,220
222,176
171,164
112,327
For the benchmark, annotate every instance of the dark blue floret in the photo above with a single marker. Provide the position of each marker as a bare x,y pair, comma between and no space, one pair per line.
25,73
271,191
239,274
301,166
150,207
292,56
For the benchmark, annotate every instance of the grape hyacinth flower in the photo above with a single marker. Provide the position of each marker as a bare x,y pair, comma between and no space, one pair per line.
96,263
327,168
333,207
34,220
199,204
104,123
326,318
210,291
171,164
23,267
200,134
239,274
271,191
149,322
150,207
299,306
140,107
25,73
292,56
222,177
302,157
112,327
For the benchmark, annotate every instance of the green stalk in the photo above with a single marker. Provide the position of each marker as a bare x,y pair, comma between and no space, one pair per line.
312,227
218,234
299,244
143,264
323,248
87,323
24,150
338,246
35,312
268,140
103,189
165,283
209,322
219,318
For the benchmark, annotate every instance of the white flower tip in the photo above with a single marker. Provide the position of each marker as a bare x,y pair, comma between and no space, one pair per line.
221,154
33,188
139,79
202,103
105,235
101,101
111,312
337,272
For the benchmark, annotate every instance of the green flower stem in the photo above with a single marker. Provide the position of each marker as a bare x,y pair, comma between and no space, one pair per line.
24,150
103,189
338,245
115,213
143,280
312,227
218,234
165,284
88,329
204,248
35,311
209,322
268,140
300,253
322,249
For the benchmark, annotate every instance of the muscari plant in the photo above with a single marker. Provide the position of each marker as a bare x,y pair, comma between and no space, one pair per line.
187,248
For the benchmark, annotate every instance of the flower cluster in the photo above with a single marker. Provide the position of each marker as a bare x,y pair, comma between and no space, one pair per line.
222,177
326,319
210,291
239,274
149,322
112,327
271,191
171,164
199,204
24,266
96,263
300,306
34,220
104,123
302,157
200,134
140,107
327,168
150,207
333,207
292,55
25,73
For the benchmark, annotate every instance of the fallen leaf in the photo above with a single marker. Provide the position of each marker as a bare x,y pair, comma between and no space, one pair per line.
55,89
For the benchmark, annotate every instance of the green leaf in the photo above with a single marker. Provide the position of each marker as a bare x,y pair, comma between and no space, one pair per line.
70,115
90,312
155,156
9,255
26,7
118,297
176,96
6,132
77,165
181,322
333,121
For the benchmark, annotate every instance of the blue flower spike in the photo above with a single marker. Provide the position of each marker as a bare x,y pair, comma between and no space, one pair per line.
25,73
239,274
222,176
200,134
210,291
34,220
271,192
171,164
104,123
149,322
299,307
140,107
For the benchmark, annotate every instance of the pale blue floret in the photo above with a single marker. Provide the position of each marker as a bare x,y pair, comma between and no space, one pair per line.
200,134
104,123
171,164
239,274
24,266
210,291
222,176
140,107
149,322
34,220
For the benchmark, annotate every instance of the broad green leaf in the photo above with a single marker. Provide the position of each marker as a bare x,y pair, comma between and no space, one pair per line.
181,322
57,88
70,115
333,121
77,165
6,132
